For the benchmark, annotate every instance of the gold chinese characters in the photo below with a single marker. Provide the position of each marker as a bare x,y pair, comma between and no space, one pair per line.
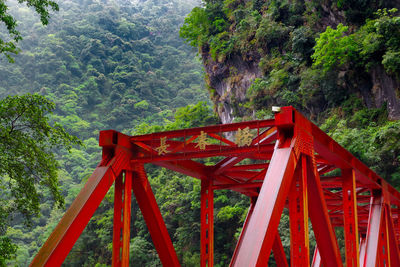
243,137
202,142
162,149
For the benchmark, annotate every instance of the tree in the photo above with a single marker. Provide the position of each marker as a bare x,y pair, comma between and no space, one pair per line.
9,46
28,167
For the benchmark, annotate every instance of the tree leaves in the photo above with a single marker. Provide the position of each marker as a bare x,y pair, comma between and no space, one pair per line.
9,47
27,162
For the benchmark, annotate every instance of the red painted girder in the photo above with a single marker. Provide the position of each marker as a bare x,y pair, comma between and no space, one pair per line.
335,154
206,223
335,182
152,216
182,145
279,252
121,229
244,228
326,169
250,191
207,129
186,167
238,186
221,151
222,139
318,212
257,166
117,224
373,232
392,238
350,218
244,175
257,241
61,240
265,138
126,219
298,217
198,170
175,147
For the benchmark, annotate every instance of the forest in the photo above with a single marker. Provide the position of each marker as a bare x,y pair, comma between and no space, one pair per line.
141,66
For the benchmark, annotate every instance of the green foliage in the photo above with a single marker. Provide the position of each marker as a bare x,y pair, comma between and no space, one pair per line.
271,34
391,62
119,66
369,136
28,166
376,42
41,7
7,248
142,105
196,27
27,140
333,48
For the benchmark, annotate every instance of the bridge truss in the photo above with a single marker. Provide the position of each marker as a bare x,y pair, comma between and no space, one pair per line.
283,163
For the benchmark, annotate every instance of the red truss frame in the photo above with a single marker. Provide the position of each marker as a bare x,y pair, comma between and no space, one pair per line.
293,165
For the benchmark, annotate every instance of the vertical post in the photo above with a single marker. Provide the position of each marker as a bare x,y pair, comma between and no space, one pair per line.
117,225
373,231
122,220
350,218
384,248
393,250
126,222
207,223
298,212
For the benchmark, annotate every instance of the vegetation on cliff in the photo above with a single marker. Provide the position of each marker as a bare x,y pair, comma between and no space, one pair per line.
337,61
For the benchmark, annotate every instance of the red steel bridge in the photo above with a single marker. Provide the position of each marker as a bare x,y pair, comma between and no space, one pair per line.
283,163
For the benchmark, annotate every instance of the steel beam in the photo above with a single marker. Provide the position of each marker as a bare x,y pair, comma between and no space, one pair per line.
117,224
298,217
257,241
393,246
350,218
321,223
122,220
371,257
279,253
244,228
207,129
153,218
207,223
58,245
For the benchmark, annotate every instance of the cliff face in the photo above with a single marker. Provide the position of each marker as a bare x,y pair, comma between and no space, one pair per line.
229,81
230,76
386,89
335,61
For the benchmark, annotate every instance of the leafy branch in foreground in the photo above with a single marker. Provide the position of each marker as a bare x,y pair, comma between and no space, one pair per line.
41,7
28,166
